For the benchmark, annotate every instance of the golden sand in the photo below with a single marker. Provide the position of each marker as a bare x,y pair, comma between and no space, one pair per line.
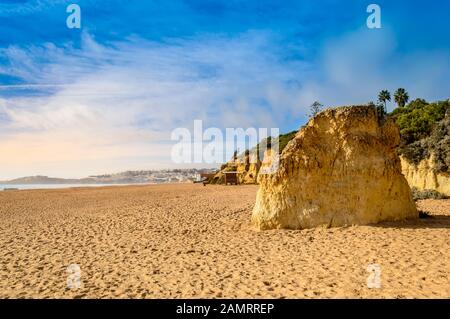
190,241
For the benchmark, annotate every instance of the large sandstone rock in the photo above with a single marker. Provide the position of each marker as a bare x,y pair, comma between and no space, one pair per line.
341,169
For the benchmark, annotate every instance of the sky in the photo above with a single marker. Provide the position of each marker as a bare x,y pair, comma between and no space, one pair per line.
106,97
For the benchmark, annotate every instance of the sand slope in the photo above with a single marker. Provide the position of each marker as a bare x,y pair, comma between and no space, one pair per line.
192,241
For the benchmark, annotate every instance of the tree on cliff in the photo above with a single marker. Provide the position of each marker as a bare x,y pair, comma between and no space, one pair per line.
235,155
383,97
401,97
315,108
380,109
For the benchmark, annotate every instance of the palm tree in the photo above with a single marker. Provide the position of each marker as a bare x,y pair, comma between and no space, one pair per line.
383,97
401,97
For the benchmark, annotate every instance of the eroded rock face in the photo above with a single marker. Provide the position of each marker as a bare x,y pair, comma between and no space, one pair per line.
246,167
425,175
341,169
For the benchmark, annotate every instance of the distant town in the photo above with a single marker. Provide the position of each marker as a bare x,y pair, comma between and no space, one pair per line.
128,177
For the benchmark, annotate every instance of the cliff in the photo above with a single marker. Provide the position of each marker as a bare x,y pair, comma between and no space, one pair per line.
247,168
425,176
341,169
248,164
425,145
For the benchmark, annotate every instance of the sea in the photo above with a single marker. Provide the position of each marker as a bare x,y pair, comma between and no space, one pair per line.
54,186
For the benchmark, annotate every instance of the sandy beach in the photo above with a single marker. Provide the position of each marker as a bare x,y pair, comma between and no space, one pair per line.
191,241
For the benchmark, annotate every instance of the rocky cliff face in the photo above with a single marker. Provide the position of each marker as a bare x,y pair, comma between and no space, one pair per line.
341,169
247,167
424,175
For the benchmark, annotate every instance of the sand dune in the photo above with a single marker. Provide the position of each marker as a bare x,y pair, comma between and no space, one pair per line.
186,241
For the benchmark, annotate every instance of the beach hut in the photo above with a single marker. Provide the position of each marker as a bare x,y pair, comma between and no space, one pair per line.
231,178
206,178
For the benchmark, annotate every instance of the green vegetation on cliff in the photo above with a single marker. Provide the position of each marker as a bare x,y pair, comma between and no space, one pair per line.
282,139
425,131
418,118
285,138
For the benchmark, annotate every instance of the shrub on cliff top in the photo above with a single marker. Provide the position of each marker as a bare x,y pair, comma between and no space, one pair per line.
439,143
417,119
424,129
426,194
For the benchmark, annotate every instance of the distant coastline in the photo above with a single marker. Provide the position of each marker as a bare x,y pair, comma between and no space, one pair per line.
12,187
123,178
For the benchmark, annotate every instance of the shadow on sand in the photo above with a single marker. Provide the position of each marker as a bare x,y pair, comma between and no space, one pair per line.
433,222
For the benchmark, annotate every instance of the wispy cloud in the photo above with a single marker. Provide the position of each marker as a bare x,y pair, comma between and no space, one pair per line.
23,7
103,99
94,105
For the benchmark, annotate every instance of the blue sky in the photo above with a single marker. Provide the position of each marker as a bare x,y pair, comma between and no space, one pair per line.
105,98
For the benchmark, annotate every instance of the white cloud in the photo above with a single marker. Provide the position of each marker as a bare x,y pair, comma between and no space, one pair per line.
27,6
124,99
